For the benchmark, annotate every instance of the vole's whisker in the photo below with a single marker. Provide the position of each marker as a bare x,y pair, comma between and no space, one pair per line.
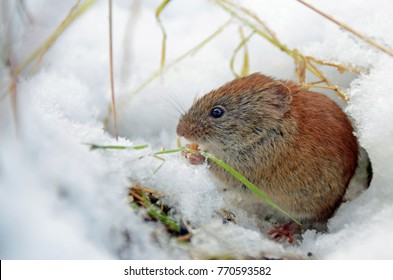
175,103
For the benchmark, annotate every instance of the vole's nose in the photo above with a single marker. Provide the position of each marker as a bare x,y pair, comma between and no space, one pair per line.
190,130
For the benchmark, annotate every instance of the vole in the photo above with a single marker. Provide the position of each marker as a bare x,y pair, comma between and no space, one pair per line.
297,146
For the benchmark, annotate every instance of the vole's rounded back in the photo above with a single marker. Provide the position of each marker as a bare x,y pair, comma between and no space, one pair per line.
296,146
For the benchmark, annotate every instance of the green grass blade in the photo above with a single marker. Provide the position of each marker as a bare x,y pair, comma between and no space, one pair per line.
248,184
172,224
169,152
113,147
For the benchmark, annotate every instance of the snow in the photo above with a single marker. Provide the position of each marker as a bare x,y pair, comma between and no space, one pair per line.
61,200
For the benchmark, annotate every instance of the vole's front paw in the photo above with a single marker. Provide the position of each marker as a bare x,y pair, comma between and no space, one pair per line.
284,232
194,158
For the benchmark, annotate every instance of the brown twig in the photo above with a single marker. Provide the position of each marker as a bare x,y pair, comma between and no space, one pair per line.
346,27
111,70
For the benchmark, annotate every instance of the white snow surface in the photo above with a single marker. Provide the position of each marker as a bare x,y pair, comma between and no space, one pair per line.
61,200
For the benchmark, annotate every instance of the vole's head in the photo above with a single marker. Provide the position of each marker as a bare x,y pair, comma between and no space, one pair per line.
242,112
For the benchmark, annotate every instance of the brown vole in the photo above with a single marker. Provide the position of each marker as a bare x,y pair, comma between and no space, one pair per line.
297,146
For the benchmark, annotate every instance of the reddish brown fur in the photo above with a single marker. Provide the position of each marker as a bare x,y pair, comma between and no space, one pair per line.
296,146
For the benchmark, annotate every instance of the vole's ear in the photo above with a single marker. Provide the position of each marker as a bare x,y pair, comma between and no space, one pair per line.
280,95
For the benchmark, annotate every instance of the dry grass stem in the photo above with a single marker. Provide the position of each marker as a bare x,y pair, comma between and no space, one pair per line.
164,35
74,13
185,237
257,19
10,61
39,53
228,215
341,68
188,53
302,62
348,28
46,47
246,65
12,94
137,198
111,70
140,188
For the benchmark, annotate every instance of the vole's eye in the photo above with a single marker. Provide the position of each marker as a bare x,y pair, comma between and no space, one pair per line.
217,112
